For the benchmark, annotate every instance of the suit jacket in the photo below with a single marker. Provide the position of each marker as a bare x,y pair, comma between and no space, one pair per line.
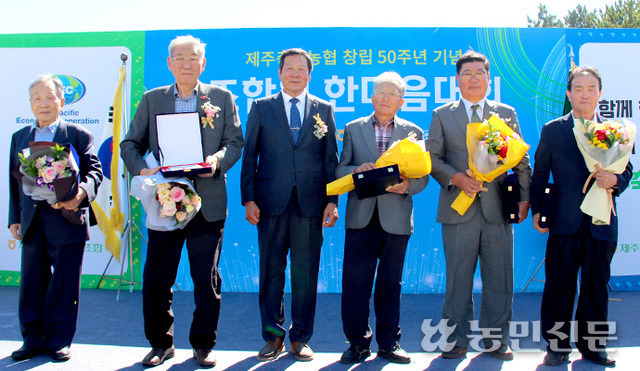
272,163
224,141
359,146
22,208
447,145
559,155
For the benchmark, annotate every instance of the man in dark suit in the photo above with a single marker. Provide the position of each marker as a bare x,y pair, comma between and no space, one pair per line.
221,146
378,228
49,300
575,243
290,155
482,233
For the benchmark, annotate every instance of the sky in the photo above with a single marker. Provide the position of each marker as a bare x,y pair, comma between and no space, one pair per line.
39,16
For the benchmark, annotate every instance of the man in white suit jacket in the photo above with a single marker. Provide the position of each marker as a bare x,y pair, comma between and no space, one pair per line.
378,228
483,232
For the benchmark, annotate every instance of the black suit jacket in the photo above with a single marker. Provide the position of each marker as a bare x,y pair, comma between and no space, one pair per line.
272,162
22,208
559,155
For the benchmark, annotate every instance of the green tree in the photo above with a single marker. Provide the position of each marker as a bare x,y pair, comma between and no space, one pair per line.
622,14
544,18
580,17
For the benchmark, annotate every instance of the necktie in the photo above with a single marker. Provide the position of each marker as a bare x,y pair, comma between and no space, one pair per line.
294,120
474,116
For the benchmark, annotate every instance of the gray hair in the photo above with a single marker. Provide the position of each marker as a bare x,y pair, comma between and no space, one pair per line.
392,77
57,84
187,40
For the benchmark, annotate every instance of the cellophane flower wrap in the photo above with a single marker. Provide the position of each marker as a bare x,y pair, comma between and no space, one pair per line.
170,203
49,172
493,148
608,145
410,156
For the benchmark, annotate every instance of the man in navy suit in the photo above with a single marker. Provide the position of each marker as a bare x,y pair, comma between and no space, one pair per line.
575,243
290,155
49,300
221,146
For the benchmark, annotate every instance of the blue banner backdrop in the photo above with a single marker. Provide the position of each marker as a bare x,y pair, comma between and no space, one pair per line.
529,69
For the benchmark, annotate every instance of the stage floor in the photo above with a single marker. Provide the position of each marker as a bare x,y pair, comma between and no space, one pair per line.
110,335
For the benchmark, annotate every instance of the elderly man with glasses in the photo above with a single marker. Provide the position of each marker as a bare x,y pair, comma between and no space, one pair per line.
222,143
377,228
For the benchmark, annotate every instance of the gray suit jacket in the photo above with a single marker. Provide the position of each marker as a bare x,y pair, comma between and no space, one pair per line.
448,148
224,141
359,146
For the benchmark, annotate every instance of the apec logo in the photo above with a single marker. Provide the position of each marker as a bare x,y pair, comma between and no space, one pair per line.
74,89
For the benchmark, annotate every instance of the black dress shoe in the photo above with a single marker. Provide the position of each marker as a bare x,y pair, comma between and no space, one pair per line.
394,354
205,357
157,356
454,353
25,352
61,354
503,353
600,358
355,354
555,358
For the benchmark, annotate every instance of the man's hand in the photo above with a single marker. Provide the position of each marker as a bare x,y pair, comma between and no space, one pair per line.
213,162
146,172
365,167
330,215
15,231
73,203
252,212
523,211
400,188
536,224
469,185
605,179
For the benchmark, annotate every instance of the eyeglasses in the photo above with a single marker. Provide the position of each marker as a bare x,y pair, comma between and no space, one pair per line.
387,94
478,75
182,60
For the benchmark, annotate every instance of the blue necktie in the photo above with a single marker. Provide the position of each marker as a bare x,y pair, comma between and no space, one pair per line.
295,123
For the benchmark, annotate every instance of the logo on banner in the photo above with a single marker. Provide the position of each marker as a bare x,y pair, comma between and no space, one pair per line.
74,89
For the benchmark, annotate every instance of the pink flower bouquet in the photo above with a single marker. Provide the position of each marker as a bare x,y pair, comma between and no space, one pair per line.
170,203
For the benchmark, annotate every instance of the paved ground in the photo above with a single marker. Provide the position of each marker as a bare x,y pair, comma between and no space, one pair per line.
110,336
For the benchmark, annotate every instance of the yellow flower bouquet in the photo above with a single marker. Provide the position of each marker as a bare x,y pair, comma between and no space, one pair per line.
408,154
494,148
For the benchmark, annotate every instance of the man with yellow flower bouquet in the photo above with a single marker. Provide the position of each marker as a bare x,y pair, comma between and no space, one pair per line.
481,232
575,243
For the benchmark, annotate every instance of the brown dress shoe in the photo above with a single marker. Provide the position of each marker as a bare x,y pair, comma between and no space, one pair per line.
157,356
301,351
205,357
271,350
454,353
503,353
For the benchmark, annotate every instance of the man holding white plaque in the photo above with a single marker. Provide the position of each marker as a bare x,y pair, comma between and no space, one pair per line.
221,140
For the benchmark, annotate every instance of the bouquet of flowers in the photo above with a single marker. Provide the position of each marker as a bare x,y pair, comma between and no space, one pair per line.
409,154
170,203
494,148
609,146
49,172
